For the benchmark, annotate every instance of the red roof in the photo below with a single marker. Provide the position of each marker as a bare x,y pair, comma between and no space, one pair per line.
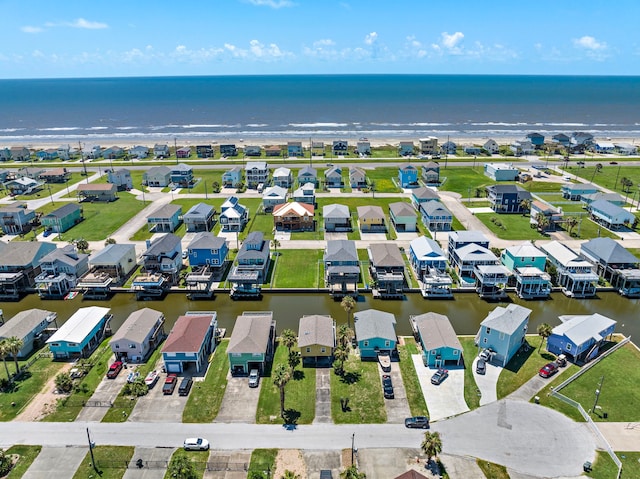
187,334
411,474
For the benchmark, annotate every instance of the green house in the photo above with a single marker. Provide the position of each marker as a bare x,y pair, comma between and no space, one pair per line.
62,219
252,342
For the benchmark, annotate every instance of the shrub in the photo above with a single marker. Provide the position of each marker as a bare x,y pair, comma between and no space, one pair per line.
64,383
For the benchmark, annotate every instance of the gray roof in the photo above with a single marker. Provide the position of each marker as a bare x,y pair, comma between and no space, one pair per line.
609,251
246,254
307,171
67,254
511,189
138,325
63,211
23,253
316,329
424,246
476,252
112,254
612,197
199,210
181,167
424,193
608,208
341,250
371,323
165,211
206,240
158,170
386,255
436,331
334,170
370,212
251,333
162,245
433,207
335,211
235,169
24,322
507,320
526,249
401,208
581,328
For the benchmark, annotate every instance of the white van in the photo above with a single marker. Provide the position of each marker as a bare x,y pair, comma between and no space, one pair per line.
260,187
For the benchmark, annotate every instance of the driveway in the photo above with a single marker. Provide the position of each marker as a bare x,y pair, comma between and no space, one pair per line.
373,236
62,460
331,235
153,458
229,464
487,383
323,396
240,402
157,407
407,236
445,400
107,391
318,460
398,407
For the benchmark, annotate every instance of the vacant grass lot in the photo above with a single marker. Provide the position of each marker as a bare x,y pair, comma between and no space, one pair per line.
607,176
410,378
492,471
464,180
205,184
111,461
514,226
24,390
382,177
205,398
27,455
361,385
51,188
262,460
298,268
470,351
300,394
197,458
522,367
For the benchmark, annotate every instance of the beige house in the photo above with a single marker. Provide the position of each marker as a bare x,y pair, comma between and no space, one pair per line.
317,339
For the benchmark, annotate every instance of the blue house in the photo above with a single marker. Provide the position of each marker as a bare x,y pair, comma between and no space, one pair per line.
440,345
422,195
524,255
610,216
205,249
81,334
536,139
408,176
232,178
580,336
527,263
501,171
436,216
167,218
503,332
190,342
294,148
575,191
430,264
182,176
375,333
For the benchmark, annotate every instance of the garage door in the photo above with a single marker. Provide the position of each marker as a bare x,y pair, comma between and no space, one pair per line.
174,367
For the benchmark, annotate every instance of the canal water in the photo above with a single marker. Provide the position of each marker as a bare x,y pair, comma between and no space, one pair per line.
466,311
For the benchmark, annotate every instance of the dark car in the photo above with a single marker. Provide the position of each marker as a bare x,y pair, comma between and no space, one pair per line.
185,386
417,422
439,376
169,384
613,162
387,386
47,233
114,370
548,370
481,366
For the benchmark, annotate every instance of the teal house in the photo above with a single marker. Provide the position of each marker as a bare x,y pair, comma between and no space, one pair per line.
524,255
252,342
503,332
375,333
63,218
81,334
440,344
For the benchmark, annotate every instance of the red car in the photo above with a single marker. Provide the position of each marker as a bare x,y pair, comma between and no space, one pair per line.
548,370
114,370
170,384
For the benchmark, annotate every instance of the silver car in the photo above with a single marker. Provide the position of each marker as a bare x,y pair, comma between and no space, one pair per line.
254,378
196,444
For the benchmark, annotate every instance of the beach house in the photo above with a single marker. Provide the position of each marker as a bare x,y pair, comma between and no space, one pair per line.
580,337
449,148
60,271
357,177
491,147
207,256
48,154
611,216
200,217
294,149
233,215
508,198
204,151
341,267
256,173
182,176
551,213
430,173
406,148
140,152
522,147
16,219
272,196
340,148
283,177
317,148
113,263
57,175
316,339
159,176
614,264
63,218
574,274
459,239
20,153
423,194
435,216
560,139
22,186
252,264
19,266
183,152
527,265
429,146
232,178
333,177
273,150
363,147
81,334
308,174
375,333
97,192
161,151
252,150
139,336
430,265
613,198
386,266
163,256
27,325
228,150
503,332
403,217
190,342
501,171
575,191
440,345
305,194
336,218
294,217
252,342
121,178
371,219
165,219
408,176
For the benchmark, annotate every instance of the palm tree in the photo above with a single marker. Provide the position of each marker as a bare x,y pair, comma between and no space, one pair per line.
82,244
597,169
4,352
281,376
288,338
542,222
525,206
275,243
431,445
352,472
340,355
348,304
345,333
571,223
544,331
290,475
15,344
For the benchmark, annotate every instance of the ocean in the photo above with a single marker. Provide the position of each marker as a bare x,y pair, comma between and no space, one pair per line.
216,108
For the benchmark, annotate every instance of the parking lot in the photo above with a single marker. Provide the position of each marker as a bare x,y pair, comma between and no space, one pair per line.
240,401
157,407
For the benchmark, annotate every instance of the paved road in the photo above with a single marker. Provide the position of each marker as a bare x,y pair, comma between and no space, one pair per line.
514,433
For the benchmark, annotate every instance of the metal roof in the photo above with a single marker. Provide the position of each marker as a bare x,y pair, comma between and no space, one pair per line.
77,327
372,323
436,331
507,320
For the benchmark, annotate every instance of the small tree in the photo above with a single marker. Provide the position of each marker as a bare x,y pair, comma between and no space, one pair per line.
64,383
544,330
542,222
340,355
6,464
216,187
525,206
14,345
136,388
181,467
290,475
431,445
109,241
281,376
352,472
82,244
345,333
288,338
4,353
348,304
275,243
571,223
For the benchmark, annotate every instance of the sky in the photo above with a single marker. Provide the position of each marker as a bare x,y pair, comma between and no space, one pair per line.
115,38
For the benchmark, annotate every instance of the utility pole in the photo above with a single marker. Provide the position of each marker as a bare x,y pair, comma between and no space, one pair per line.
84,164
91,446
206,194
175,148
353,439
598,391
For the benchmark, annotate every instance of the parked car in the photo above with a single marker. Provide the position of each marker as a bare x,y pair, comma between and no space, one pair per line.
185,254
417,422
548,370
613,162
387,386
47,232
254,378
439,376
481,366
185,386
114,369
486,354
169,384
196,444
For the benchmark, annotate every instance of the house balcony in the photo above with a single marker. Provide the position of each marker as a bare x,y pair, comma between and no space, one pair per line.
152,285
436,284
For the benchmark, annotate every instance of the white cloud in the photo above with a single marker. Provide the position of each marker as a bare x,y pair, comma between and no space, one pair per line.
31,29
82,23
371,38
324,42
271,3
589,43
451,43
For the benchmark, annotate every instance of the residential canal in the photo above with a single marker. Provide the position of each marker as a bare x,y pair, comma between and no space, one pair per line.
466,311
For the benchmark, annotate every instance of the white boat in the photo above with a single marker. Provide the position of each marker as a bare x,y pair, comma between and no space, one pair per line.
151,379
385,362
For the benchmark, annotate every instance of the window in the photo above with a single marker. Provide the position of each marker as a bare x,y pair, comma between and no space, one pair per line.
488,331
365,344
387,344
117,346
502,336
323,350
485,341
455,352
132,346
308,350
568,346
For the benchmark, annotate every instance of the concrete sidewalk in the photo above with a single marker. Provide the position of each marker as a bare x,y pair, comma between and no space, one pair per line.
622,436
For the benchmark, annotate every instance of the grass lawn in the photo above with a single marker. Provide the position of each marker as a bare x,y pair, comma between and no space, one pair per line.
205,176
554,403
25,389
260,222
205,398
470,351
111,461
491,470
300,395
607,176
27,455
410,378
263,460
123,405
619,369
298,268
604,467
361,385
197,458
542,187
456,225
522,367
464,180
49,189
101,220
516,226
588,229
68,408
383,179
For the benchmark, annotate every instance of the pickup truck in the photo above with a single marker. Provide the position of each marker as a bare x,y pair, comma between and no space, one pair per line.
170,384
